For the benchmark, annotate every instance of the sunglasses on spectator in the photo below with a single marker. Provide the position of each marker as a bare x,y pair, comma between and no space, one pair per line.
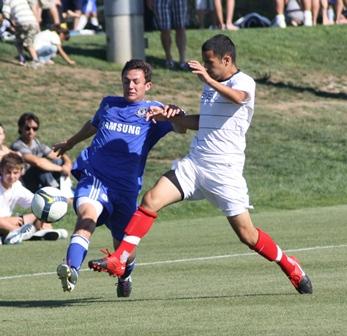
28,128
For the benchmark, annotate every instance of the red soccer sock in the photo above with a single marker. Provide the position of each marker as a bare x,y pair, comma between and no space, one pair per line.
140,223
266,247
286,264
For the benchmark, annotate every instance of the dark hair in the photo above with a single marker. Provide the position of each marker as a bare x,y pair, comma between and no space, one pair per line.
61,28
221,45
11,160
24,118
140,65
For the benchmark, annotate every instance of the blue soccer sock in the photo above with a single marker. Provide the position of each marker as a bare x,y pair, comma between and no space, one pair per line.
77,251
128,270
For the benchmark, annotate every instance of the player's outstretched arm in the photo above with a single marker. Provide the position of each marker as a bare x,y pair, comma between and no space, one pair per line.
183,122
175,115
84,133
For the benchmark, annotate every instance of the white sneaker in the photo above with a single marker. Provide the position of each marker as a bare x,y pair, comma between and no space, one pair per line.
279,21
14,237
25,232
308,18
63,234
68,277
46,235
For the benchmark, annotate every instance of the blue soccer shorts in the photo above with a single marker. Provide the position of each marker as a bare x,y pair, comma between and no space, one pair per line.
117,206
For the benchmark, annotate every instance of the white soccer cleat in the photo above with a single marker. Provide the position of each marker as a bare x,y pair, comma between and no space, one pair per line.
68,277
25,232
14,237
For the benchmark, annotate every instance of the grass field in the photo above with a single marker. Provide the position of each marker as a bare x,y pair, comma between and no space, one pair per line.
194,277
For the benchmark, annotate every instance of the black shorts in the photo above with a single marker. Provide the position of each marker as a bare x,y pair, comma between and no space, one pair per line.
73,5
173,178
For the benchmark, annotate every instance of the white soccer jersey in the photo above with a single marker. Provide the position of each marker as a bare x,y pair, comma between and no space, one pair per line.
223,124
17,195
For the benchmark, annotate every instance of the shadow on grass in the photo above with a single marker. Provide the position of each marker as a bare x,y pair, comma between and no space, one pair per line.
93,51
265,80
87,301
48,303
210,297
159,63
13,61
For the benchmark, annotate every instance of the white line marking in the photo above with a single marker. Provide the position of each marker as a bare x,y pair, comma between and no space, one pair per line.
184,260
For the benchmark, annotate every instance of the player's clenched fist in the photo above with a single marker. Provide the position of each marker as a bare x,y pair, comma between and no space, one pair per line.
157,113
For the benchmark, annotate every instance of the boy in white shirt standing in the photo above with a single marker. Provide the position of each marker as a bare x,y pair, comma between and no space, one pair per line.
21,16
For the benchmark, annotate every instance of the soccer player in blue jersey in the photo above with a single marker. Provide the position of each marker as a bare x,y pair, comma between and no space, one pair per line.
110,170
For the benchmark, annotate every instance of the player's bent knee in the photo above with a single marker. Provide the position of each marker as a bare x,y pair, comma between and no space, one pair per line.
151,202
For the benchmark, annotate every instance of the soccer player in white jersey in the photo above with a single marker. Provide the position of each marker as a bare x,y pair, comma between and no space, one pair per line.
213,169
110,170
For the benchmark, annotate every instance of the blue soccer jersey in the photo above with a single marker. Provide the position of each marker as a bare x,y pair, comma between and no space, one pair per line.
118,152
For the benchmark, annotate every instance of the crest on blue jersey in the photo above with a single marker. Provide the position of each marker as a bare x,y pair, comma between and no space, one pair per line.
141,113
104,197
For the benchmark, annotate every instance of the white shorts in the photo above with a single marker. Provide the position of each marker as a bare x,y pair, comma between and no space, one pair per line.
221,184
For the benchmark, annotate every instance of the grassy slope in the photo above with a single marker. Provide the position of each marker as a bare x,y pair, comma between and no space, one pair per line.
296,144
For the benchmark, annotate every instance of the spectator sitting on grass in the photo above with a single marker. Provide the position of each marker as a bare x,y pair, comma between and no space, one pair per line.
43,167
15,229
48,43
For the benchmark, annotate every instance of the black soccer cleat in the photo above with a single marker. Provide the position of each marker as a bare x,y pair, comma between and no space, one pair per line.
124,287
305,285
299,279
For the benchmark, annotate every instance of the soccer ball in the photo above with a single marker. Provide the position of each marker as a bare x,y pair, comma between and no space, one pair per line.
49,204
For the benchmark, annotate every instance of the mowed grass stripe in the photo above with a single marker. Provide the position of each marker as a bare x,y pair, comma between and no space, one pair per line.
163,262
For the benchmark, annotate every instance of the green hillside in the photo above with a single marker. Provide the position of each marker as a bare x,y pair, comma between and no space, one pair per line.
296,144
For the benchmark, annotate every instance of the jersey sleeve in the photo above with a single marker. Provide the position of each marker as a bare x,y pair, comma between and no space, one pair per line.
160,129
25,197
18,146
21,150
97,116
244,83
